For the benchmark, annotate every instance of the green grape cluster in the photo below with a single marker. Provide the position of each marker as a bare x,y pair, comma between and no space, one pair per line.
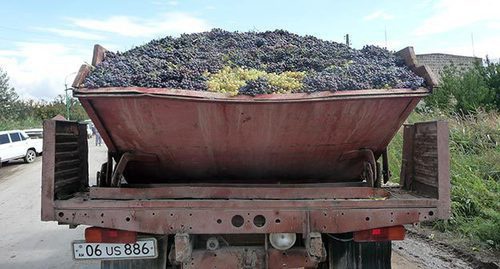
286,82
232,79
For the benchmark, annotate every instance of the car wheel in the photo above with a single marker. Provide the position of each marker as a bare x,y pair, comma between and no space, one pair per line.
30,156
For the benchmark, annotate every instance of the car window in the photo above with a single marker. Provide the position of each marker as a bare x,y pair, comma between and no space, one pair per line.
15,137
4,139
23,136
35,135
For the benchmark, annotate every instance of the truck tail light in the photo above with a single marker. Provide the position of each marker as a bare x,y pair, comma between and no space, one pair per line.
103,235
380,234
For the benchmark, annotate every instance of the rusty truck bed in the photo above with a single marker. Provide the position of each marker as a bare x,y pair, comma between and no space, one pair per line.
202,136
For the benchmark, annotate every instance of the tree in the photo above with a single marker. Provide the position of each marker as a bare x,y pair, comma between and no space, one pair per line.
9,100
47,110
492,74
467,92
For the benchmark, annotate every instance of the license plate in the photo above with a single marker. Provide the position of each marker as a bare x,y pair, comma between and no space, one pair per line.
144,248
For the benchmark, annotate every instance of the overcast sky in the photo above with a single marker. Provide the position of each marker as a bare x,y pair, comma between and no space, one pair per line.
43,43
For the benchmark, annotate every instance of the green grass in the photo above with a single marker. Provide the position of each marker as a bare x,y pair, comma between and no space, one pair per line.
475,174
26,123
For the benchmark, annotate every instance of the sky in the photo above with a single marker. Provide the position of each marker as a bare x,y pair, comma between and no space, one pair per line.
43,43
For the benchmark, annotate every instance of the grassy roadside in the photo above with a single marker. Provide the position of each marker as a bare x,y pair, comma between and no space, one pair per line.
475,175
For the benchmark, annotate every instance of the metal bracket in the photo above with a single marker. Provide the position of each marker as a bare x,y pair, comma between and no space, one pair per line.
315,247
249,259
124,160
183,247
370,167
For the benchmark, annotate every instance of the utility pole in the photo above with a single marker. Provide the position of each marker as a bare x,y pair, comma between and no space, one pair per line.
68,105
347,41
472,40
385,35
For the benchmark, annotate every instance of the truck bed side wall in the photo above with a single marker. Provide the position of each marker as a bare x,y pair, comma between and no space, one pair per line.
426,162
65,163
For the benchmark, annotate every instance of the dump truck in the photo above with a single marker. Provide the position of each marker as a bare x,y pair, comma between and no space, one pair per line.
205,180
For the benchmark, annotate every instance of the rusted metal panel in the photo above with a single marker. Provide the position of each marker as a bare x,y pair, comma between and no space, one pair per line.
444,182
226,138
98,55
183,248
65,166
48,170
70,159
221,221
208,96
238,192
83,72
315,247
87,105
83,155
407,159
410,59
397,200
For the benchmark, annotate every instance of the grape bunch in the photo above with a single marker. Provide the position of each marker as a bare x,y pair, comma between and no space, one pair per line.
252,63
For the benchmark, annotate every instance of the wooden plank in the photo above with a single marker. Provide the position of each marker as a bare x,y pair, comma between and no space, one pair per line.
224,192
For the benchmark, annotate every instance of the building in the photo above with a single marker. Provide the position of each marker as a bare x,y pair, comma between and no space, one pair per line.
437,61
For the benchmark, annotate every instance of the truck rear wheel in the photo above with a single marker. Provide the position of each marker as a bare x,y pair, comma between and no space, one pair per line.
30,156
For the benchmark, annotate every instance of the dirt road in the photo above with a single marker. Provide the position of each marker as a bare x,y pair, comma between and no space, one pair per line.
26,242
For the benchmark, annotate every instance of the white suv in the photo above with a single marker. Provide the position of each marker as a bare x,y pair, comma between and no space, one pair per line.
16,144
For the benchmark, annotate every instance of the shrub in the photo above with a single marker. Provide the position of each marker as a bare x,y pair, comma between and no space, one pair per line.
467,92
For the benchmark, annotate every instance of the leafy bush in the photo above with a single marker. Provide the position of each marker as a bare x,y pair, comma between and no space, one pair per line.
467,92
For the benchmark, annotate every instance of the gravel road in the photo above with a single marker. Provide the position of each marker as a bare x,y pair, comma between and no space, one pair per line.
27,242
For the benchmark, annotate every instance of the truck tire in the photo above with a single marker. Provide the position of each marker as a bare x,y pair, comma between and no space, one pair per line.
30,156
350,254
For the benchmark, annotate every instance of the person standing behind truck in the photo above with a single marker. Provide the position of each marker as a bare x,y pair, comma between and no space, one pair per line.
98,139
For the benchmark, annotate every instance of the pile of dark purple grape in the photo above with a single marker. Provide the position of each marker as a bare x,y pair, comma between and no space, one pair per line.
195,61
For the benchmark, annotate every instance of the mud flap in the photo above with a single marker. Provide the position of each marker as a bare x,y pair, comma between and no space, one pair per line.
351,254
